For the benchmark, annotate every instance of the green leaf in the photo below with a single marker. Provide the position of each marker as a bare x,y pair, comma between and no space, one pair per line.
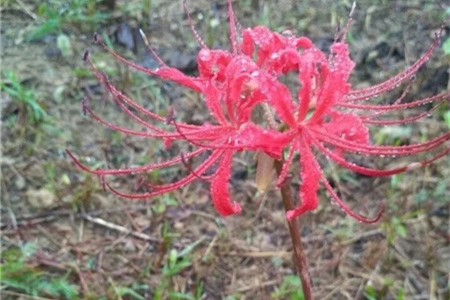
64,45
446,46
447,116
291,288
125,291
176,296
400,228
49,27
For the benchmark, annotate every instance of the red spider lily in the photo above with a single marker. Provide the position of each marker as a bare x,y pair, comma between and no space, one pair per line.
330,118
229,84
325,117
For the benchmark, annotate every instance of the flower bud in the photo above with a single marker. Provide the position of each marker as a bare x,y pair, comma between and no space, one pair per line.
265,172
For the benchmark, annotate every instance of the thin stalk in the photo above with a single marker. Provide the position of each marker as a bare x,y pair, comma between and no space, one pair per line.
294,230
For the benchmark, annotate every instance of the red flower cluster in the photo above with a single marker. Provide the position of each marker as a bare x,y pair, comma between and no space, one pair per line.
326,116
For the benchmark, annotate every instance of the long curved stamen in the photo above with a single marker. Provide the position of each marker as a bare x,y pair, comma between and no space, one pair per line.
216,145
166,73
198,134
347,210
343,205
437,98
135,170
191,24
162,189
349,23
120,96
211,132
233,30
380,150
402,121
390,84
138,119
123,130
375,172
397,101
150,48
184,160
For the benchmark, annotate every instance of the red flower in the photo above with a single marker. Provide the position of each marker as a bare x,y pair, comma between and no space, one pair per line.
232,88
327,115
332,118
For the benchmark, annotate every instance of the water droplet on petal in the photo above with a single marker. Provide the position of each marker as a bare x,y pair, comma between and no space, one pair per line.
204,54
287,33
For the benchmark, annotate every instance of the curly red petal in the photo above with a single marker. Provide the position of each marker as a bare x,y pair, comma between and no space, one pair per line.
220,193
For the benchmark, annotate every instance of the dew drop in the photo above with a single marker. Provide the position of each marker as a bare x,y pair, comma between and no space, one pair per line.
204,55
287,33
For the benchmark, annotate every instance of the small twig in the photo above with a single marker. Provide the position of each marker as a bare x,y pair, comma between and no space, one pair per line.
255,286
334,288
433,285
119,228
80,231
210,246
51,237
27,10
16,223
22,296
363,235
258,254
203,214
32,220
12,217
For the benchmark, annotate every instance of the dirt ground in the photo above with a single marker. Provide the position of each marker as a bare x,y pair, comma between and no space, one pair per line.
64,237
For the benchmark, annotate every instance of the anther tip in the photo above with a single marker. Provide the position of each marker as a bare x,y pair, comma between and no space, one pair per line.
86,55
170,116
